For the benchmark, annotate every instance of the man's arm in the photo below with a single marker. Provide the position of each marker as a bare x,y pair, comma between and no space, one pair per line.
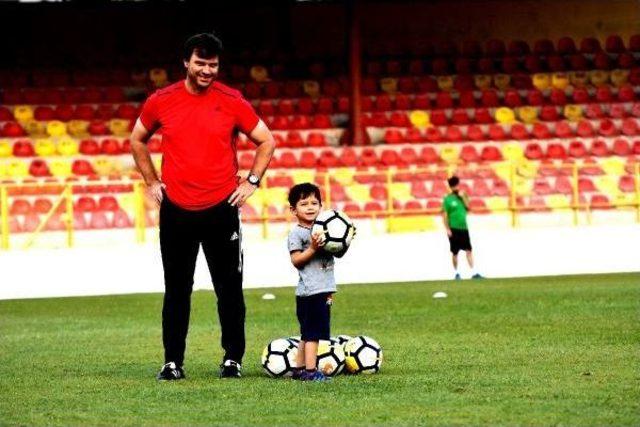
261,136
445,220
139,137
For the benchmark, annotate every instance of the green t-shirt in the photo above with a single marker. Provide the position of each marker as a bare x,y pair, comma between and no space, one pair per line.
456,211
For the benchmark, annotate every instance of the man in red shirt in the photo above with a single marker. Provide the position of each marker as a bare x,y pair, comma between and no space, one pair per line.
199,195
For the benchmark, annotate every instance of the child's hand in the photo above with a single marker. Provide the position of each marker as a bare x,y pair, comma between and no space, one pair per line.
317,240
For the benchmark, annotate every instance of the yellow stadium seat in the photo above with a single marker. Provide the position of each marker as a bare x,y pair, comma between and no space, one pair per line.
573,112
78,128
359,193
419,119
541,81
528,114
67,146
522,186
119,127
527,169
127,202
401,191
607,184
311,88
505,115
512,151
619,77
482,81
449,153
103,166
159,77
613,166
60,168
502,81
3,169
259,73
558,201
445,83
560,80
497,204
503,170
622,200
343,175
302,175
35,129
578,78
23,113
17,169
598,77
45,147
56,128
6,148
276,196
389,85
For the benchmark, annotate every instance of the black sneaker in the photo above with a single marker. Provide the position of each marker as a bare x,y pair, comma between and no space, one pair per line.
170,372
230,369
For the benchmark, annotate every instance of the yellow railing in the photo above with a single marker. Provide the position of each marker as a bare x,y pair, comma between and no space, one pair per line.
386,177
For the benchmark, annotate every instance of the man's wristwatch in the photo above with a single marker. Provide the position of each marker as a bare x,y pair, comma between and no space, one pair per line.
253,179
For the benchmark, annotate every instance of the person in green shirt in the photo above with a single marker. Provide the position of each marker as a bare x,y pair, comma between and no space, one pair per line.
455,206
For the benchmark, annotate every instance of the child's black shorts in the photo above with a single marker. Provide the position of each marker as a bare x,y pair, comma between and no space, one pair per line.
314,314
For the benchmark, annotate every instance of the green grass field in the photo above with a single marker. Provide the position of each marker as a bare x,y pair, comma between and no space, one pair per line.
538,351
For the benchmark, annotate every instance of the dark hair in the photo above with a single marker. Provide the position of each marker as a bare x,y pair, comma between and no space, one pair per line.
206,45
302,191
453,181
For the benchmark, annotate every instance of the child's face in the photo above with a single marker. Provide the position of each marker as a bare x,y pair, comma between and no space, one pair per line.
307,209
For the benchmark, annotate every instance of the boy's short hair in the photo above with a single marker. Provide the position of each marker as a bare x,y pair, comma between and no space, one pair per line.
205,45
302,191
453,181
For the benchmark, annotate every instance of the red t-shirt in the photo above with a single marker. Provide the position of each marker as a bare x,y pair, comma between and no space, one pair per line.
199,163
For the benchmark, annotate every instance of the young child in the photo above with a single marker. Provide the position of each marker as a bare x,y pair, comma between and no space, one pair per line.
317,282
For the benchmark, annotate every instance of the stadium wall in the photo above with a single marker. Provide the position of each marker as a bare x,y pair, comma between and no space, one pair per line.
375,256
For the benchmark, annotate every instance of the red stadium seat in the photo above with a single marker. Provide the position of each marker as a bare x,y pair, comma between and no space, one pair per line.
599,148
580,95
399,119
540,131
519,131
408,156
614,44
621,147
305,106
549,113
512,98
110,146
422,102
407,84
382,103
490,153
600,201
403,102
577,149
486,65
533,64
460,117
316,139
348,157
510,65
469,153
630,126
566,46
414,135
433,134
12,130
428,156
607,128
294,139
20,207
108,204
482,116
496,132
439,118
533,151
535,97
23,148
39,168
563,129
475,133
393,136
308,159
444,100
285,107
558,97
368,157
490,99
518,48
556,151
590,45
585,128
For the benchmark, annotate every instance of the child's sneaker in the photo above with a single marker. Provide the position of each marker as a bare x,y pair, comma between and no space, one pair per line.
296,374
170,372
314,376
457,277
477,276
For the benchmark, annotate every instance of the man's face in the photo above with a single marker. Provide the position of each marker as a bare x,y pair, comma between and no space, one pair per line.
201,72
455,188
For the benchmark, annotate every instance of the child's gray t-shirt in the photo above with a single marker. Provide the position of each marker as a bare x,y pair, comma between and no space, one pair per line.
317,275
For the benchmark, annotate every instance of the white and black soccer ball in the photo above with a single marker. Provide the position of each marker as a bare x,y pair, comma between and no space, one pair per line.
337,228
330,358
295,339
279,357
363,355
341,339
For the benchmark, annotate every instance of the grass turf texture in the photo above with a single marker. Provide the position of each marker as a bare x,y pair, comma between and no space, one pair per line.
562,350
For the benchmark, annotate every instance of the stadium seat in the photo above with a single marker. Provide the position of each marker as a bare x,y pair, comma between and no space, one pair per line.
23,148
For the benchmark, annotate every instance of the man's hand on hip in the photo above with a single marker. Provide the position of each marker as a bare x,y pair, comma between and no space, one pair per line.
154,191
242,193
